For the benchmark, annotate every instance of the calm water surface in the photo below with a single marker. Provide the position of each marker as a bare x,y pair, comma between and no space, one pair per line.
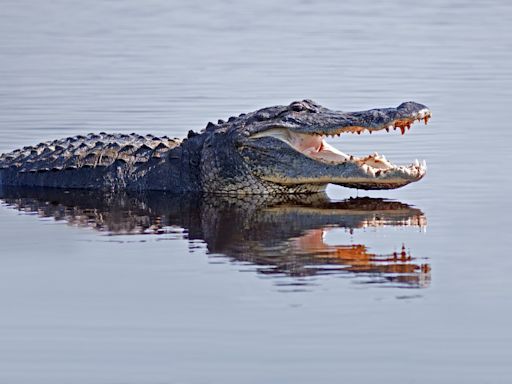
410,285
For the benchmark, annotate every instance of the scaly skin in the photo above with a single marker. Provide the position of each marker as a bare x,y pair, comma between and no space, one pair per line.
275,150
278,235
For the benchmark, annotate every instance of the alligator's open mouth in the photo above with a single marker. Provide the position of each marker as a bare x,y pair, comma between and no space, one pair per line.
380,173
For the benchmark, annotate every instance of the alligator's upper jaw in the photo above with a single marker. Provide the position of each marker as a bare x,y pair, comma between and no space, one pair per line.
371,172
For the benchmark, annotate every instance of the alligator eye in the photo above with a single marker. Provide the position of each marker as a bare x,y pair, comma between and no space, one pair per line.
297,107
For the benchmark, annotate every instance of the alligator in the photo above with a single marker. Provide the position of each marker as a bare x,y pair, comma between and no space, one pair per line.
276,236
274,150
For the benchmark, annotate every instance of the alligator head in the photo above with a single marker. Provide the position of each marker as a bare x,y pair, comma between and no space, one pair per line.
282,149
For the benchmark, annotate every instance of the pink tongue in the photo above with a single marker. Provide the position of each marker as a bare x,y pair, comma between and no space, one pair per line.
309,142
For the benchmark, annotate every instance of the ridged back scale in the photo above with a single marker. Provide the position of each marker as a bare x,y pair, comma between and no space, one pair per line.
92,150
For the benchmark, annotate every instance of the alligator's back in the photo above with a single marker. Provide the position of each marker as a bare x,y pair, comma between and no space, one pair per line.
98,161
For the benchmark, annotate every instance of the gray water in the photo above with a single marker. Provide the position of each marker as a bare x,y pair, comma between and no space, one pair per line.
94,293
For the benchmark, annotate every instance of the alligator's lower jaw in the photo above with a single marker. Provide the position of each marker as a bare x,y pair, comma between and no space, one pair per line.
377,184
319,183
377,171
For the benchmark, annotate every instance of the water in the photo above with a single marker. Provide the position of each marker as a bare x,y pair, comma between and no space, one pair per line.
229,292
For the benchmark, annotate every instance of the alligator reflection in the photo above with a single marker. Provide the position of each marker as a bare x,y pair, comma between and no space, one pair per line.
279,236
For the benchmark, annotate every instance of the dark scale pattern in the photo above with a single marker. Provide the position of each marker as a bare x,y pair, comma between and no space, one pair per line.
91,151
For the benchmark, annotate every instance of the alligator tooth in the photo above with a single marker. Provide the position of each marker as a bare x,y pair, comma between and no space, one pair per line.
422,113
424,164
416,163
365,168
